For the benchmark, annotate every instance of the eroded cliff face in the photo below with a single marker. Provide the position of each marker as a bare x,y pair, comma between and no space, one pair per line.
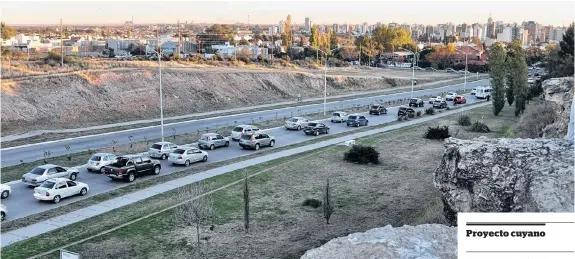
506,175
559,92
430,241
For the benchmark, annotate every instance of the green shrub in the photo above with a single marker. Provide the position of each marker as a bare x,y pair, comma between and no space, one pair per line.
410,115
429,111
439,132
508,131
464,120
418,113
312,203
362,155
479,126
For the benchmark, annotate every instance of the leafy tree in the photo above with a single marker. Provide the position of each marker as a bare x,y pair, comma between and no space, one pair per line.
517,77
348,53
559,62
327,204
567,43
391,38
426,51
7,32
216,34
244,42
332,39
287,33
313,38
497,73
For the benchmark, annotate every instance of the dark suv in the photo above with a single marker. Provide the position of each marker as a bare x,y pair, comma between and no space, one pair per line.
415,102
404,111
377,109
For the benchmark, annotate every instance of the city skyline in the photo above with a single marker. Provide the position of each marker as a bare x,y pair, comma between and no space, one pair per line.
96,13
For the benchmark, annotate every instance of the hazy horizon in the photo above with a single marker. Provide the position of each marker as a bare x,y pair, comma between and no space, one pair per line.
412,12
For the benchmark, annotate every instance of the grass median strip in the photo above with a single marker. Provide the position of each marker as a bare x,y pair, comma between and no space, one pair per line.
157,232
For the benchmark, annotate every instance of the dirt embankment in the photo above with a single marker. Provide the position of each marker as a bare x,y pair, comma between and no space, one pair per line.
93,98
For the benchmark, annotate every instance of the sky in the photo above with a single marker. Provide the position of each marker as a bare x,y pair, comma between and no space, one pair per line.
271,12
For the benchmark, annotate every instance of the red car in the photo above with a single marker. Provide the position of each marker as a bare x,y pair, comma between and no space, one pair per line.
459,100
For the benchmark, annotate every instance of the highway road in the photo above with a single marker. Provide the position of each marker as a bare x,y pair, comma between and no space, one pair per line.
27,153
22,202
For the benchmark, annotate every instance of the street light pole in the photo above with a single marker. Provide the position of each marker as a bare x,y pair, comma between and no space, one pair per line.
325,81
465,84
161,92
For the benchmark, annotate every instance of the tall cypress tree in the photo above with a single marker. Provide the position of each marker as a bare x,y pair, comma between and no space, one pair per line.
497,72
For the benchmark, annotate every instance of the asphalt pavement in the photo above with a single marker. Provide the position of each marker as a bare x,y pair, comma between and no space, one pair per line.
34,152
22,203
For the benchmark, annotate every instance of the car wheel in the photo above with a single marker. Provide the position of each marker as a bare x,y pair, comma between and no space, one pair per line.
205,158
317,132
272,143
227,143
83,192
366,122
3,215
164,156
102,170
73,177
56,199
298,127
332,121
378,113
5,194
156,170
131,177
187,163
212,147
257,147
326,131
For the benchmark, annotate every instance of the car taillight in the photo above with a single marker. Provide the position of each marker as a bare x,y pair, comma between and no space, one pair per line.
47,194
120,172
180,157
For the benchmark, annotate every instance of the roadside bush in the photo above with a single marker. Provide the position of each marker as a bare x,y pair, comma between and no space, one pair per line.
411,115
464,120
508,131
534,120
418,113
429,111
439,132
362,155
480,127
312,203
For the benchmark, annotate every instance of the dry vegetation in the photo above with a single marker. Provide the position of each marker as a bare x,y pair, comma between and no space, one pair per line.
365,196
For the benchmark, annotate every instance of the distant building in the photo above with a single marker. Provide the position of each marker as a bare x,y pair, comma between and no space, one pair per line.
491,30
308,24
533,29
281,26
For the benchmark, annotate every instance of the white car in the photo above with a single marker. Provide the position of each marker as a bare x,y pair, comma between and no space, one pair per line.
339,117
59,188
3,211
474,91
296,123
161,150
5,190
99,160
450,96
49,171
187,155
436,98
240,130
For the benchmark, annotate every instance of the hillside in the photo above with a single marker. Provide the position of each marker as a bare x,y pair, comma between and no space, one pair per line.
88,98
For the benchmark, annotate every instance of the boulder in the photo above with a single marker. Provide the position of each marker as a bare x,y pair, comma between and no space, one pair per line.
506,175
559,91
428,241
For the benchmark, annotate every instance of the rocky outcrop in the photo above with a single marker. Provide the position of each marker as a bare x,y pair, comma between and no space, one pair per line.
506,175
423,241
559,91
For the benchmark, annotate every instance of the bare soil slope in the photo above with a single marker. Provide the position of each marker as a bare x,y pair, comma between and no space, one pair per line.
83,98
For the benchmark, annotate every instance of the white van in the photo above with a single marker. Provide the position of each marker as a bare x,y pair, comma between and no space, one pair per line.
483,92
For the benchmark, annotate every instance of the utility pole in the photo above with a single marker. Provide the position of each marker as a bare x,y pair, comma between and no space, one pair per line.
359,53
61,44
179,40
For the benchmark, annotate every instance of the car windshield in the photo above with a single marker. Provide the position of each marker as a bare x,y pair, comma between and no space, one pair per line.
312,124
413,100
156,146
246,137
336,114
375,106
352,117
292,120
37,171
238,129
48,184
179,151
95,158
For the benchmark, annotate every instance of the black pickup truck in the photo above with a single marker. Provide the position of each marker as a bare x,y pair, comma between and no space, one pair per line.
131,166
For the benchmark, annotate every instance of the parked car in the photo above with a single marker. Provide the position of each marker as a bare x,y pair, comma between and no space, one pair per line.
99,160
450,96
296,123
240,130
161,150
450,70
129,167
316,128
3,211
430,69
416,102
357,120
377,109
5,190
59,188
213,140
459,100
256,140
186,156
436,98
338,117
440,104
403,111
44,172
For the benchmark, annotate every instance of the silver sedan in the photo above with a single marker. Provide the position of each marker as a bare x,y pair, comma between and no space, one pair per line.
186,156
